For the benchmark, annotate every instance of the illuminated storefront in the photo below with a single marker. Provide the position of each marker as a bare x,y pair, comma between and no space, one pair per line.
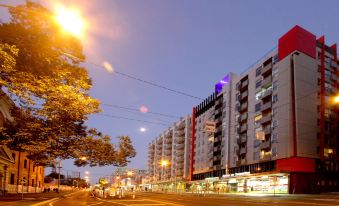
270,183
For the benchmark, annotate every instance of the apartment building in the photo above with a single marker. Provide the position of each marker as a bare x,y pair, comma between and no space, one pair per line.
271,129
209,147
168,154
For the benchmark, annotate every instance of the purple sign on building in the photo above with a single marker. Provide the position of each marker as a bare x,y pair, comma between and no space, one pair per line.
221,83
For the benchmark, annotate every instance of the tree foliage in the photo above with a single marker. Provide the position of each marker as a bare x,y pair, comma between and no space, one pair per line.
50,90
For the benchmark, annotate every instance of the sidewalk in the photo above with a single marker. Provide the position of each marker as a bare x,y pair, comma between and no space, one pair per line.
34,196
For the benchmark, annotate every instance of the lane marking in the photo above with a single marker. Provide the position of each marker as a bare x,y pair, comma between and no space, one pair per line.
95,204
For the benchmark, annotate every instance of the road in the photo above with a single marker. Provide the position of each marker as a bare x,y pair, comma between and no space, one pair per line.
157,199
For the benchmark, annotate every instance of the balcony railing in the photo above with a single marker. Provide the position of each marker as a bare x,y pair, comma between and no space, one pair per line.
242,107
265,145
265,158
266,69
266,119
266,93
266,106
242,117
267,130
243,95
243,150
266,82
242,129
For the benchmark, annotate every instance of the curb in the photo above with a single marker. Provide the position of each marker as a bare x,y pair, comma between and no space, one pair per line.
46,201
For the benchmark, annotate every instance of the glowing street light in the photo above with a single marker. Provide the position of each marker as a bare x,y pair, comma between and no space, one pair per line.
83,158
142,129
129,173
86,172
70,21
164,163
336,99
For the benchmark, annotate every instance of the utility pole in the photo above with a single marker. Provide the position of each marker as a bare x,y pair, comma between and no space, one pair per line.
59,167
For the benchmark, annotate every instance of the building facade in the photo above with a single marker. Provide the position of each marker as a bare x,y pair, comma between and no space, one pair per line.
17,172
169,154
275,126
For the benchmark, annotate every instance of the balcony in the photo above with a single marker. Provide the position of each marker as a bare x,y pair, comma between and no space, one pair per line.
217,148
266,82
242,107
267,130
265,158
267,93
179,140
217,158
265,145
242,85
238,162
266,106
266,119
242,129
242,118
179,146
267,69
243,95
242,139
243,150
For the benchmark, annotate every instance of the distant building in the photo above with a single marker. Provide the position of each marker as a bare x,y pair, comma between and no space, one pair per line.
169,154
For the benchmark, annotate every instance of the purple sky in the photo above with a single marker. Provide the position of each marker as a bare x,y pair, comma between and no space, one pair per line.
186,45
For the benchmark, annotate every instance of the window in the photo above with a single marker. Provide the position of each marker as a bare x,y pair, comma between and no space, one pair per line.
257,119
274,98
258,71
257,107
258,84
275,72
13,155
275,85
33,168
274,138
274,151
274,124
32,182
275,59
256,156
25,164
274,111
12,179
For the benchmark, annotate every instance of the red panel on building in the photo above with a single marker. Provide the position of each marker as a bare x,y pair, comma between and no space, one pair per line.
297,39
296,164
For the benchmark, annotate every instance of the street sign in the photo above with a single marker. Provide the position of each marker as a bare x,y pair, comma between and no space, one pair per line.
209,126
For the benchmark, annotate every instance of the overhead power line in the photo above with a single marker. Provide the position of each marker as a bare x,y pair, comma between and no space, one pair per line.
132,119
137,110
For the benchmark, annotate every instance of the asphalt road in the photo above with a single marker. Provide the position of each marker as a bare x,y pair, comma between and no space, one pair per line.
155,199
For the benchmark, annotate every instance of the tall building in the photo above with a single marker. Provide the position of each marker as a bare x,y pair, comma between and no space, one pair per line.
272,128
169,154
283,128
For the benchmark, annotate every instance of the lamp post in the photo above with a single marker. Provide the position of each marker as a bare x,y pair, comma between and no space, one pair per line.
59,167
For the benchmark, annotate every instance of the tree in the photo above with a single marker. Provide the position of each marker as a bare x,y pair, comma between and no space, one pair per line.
50,92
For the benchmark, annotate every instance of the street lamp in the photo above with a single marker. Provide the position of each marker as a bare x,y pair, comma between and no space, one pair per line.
336,99
83,158
129,173
70,21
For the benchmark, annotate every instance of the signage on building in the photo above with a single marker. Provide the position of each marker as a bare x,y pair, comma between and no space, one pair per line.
210,126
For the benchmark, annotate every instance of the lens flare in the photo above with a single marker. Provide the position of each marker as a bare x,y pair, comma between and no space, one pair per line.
108,67
143,109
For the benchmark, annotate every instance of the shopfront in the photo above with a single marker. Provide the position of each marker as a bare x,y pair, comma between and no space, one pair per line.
268,183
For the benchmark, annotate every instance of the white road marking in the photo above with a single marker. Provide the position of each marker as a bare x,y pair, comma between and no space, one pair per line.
95,204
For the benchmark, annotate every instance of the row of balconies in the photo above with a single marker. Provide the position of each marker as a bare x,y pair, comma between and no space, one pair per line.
266,119
266,82
242,139
266,106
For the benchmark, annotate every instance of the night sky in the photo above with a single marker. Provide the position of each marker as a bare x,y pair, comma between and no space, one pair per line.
186,45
